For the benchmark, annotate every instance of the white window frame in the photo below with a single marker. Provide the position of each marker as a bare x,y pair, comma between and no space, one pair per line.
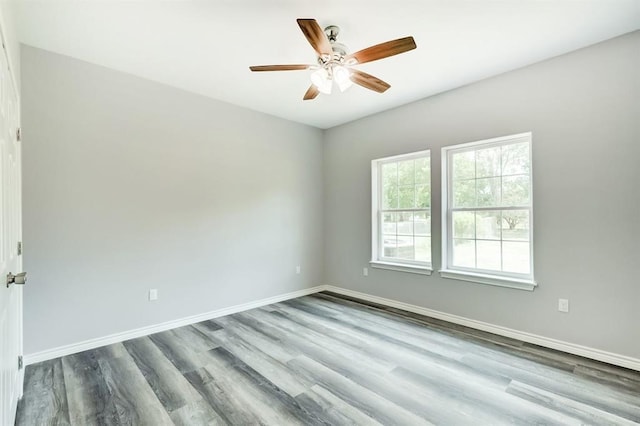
502,279
377,251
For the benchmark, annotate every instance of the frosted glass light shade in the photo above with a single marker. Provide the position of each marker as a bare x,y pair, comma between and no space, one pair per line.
321,80
342,77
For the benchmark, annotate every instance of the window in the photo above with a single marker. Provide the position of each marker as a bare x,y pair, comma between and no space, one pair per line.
401,216
487,212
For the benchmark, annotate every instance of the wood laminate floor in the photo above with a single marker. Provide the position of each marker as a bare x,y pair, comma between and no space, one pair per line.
326,360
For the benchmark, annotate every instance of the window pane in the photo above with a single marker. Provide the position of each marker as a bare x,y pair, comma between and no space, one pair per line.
406,173
405,248
389,223
422,224
423,249
488,225
464,193
390,196
406,196
389,245
515,191
389,173
423,196
464,253
488,192
464,165
515,257
463,224
515,159
488,253
488,162
389,182
515,225
405,223
423,170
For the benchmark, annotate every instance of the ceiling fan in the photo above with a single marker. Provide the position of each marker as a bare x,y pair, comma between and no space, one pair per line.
335,63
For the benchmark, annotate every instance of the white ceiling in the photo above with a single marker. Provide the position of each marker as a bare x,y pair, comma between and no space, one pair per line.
206,47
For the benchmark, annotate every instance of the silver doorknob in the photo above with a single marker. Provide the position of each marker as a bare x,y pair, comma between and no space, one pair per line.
20,278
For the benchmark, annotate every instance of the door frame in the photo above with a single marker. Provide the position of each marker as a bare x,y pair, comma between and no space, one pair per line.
14,90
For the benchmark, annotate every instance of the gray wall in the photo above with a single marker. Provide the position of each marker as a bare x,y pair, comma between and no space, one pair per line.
584,111
131,185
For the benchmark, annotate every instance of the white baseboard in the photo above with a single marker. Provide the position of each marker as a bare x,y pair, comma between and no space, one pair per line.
572,348
145,331
587,352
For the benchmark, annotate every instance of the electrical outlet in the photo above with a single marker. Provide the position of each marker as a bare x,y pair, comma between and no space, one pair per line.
298,269
563,305
365,272
153,294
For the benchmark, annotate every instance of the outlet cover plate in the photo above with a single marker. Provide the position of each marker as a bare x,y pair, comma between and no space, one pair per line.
563,305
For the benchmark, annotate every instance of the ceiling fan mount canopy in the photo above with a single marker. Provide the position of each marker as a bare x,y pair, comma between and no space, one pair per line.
335,63
332,32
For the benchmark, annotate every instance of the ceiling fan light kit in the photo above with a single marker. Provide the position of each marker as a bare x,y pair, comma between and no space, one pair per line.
335,63
324,77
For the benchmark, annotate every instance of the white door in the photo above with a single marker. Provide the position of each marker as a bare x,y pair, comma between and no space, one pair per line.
10,259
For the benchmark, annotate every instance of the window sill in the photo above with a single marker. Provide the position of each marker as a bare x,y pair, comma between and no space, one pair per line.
489,279
413,269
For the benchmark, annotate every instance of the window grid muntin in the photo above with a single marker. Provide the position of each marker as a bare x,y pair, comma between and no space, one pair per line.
380,211
449,198
501,239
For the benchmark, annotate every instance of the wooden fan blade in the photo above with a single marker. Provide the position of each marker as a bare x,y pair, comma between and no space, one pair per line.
369,81
316,36
383,50
312,92
278,67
